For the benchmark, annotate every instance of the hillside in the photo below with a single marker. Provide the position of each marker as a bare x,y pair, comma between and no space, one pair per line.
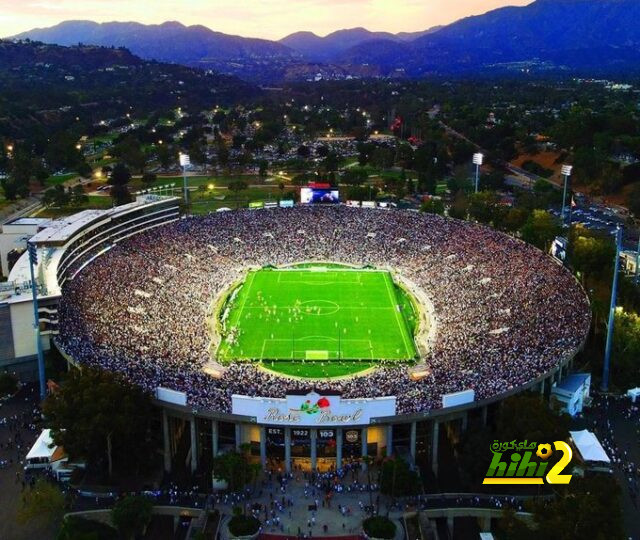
578,36
169,42
44,86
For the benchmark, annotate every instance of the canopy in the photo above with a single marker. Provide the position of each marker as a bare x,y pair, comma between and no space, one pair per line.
43,447
634,393
589,446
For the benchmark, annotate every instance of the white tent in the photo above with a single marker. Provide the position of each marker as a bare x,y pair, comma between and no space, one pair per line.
589,446
43,447
634,393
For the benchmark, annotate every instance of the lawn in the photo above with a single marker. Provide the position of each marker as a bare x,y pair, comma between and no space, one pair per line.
203,202
318,321
94,201
56,179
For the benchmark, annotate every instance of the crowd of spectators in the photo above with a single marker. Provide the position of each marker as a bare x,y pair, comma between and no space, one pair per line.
505,313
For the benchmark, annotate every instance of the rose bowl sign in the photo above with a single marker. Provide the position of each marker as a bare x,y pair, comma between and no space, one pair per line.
313,409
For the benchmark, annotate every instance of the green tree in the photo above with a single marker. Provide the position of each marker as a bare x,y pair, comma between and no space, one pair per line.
626,349
540,229
512,220
119,180
130,153
102,418
233,468
591,254
263,167
78,196
354,176
432,206
132,515
484,206
594,506
237,186
165,155
59,196
85,170
460,207
78,528
633,199
43,502
526,416
149,178
397,479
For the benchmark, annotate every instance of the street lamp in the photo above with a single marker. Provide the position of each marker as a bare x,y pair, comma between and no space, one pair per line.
33,262
185,161
612,312
566,173
478,158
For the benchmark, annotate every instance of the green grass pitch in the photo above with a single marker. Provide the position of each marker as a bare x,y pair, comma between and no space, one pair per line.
318,321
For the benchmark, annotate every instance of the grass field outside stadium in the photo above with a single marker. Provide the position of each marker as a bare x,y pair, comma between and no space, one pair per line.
317,321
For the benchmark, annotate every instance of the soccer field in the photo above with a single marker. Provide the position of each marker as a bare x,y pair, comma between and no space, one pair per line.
318,321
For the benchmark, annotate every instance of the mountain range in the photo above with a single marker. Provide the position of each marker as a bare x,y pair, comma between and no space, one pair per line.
590,36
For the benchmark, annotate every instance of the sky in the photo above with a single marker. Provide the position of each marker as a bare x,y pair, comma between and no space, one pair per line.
270,19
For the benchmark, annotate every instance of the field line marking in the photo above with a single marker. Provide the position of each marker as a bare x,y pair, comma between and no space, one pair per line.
394,306
360,308
244,300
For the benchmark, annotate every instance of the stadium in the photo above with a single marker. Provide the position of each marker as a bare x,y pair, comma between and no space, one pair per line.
316,334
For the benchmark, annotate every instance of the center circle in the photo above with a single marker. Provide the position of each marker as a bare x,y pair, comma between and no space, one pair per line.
319,307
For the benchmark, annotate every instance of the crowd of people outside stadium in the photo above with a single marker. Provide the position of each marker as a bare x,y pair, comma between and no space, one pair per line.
505,313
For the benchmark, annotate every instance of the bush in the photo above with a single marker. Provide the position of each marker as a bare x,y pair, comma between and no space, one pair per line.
131,515
397,479
78,528
379,527
241,525
8,384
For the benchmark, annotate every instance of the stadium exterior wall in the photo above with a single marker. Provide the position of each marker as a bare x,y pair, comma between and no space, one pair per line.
379,432
61,245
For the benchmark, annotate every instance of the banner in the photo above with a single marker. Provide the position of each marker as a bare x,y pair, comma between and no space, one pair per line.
313,409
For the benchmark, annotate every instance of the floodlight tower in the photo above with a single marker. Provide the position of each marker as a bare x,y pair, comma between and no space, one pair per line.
566,173
185,161
478,158
612,312
33,262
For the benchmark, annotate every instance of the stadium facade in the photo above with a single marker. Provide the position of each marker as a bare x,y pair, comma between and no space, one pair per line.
60,243
309,429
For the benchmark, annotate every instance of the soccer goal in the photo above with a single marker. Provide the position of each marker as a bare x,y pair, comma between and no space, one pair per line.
317,355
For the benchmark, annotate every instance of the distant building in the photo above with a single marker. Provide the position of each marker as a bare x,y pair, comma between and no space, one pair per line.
628,260
14,235
573,392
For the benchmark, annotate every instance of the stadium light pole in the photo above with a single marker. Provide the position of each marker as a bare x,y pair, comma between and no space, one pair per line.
33,262
478,158
566,173
612,312
185,161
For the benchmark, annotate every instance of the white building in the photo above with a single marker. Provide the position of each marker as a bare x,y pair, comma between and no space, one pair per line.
14,236
572,392
64,247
